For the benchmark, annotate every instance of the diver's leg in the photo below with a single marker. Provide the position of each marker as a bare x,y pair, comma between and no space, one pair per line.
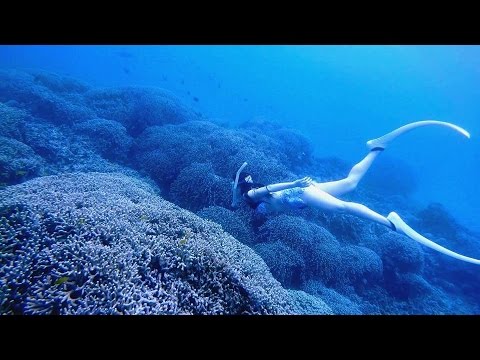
340,187
313,196
337,188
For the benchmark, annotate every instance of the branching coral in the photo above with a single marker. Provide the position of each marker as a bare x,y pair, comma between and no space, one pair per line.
106,244
197,187
137,108
230,222
286,265
108,137
18,161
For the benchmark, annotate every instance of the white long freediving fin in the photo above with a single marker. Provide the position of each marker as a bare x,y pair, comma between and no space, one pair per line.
384,140
403,228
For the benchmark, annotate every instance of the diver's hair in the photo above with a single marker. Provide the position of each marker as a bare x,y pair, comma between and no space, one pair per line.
241,177
245,187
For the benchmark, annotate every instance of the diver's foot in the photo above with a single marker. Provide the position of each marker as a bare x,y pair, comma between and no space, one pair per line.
395,222
401,227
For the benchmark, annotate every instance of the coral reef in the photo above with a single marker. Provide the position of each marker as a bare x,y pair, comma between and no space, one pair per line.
230,223
106,244
339,304
137,108
45,95
320,251
197,187
108,137
286,265
12,121
48,141
18,162
398,253
307,304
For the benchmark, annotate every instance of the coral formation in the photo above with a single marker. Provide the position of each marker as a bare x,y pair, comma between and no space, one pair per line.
106,244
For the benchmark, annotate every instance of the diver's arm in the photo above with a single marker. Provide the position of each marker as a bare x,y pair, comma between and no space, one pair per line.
265,190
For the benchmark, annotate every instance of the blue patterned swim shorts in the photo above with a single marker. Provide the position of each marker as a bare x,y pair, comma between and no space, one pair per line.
292,198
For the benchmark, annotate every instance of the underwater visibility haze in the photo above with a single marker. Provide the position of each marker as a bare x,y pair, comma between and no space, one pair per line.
117,165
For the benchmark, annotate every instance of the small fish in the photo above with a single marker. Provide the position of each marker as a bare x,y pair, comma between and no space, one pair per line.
195,98
125,54
126,70
187,234
61,280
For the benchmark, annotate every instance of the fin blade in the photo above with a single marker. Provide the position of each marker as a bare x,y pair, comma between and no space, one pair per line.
403,228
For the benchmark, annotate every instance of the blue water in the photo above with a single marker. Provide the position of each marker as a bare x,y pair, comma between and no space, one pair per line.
338,97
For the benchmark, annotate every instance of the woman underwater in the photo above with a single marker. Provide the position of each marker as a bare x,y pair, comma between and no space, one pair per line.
306,192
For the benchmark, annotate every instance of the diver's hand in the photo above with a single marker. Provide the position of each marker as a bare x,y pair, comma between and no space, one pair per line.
305,182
